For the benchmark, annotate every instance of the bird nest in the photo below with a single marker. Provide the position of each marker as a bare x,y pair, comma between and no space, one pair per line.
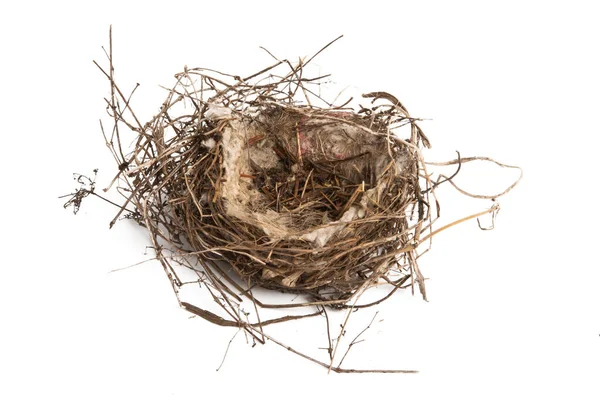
259,181
294,197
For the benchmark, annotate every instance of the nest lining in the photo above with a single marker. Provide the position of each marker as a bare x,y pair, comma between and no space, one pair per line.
252,159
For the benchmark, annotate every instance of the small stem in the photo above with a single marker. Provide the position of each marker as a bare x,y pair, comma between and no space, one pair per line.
111,202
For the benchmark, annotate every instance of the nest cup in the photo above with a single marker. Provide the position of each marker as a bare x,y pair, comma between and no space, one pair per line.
295,197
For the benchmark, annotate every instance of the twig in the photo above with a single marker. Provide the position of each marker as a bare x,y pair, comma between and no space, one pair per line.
354,342
227,349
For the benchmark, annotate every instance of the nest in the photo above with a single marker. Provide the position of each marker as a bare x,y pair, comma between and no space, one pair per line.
292,196
259,181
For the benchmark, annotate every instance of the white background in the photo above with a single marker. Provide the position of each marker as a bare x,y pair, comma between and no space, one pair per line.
511,311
